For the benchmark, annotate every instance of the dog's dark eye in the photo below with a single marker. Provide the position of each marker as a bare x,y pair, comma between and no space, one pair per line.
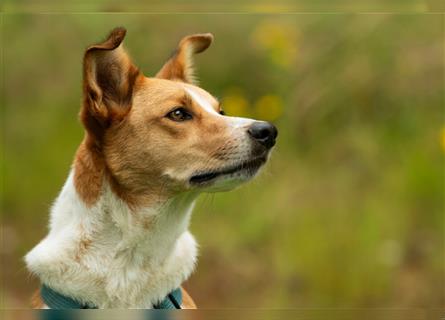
222,113
179,114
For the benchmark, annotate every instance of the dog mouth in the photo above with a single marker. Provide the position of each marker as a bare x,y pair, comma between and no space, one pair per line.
250,167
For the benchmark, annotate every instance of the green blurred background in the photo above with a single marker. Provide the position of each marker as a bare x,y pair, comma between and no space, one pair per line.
348,213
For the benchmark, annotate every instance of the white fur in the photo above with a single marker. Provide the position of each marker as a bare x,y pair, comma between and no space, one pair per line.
201,101
237,122
205,104
124,265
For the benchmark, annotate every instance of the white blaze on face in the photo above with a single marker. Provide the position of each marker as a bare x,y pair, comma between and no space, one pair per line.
237,122
201,101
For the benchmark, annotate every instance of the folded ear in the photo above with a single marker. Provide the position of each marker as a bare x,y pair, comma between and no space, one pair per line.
109,76
180,65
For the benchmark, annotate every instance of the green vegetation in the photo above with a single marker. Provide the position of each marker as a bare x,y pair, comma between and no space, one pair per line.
349,211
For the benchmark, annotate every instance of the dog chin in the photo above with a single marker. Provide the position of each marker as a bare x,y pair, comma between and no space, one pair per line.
228,183
228,178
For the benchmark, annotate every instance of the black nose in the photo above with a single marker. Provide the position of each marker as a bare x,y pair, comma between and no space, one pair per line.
263,132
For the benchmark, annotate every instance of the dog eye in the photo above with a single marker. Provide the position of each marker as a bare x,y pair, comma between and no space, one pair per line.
222,113
179,114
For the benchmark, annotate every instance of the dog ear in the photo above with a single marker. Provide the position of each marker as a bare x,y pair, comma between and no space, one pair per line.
180,65
109,76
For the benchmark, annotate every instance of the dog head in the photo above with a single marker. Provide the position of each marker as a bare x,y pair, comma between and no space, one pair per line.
164,133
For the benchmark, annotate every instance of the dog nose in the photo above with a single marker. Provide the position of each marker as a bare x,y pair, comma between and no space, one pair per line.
263,132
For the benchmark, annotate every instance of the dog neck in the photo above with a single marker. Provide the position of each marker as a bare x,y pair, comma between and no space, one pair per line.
112,255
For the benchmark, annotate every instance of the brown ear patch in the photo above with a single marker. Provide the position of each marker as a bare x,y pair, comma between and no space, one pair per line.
89,172
109,77
198,42
113,40
180,65
108,84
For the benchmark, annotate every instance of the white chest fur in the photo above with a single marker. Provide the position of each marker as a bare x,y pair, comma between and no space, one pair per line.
112,256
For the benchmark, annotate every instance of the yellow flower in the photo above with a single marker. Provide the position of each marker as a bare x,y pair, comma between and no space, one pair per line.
279,40
269,107
235,104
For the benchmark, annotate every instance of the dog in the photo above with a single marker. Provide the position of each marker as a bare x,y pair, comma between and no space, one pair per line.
118,231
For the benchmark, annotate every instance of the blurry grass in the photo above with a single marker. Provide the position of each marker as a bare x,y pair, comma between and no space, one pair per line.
349,212
255,6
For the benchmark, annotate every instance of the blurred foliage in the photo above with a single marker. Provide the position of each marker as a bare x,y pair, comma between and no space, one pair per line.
253,6
349,211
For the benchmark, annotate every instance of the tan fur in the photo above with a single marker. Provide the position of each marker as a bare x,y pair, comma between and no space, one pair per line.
89,168
187,301
180,65
84,244
145,158
36,300
109,77
123,117
147,137
122,143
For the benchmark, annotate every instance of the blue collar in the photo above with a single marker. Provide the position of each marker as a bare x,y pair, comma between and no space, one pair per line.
55,300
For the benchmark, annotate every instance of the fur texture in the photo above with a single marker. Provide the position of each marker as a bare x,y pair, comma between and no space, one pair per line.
109,255
118,234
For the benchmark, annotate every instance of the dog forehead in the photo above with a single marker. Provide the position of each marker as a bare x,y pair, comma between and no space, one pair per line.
202,98
157,92
164,87
154,89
